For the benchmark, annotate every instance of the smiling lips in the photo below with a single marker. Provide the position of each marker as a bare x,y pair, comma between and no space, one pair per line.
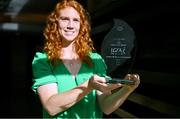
69,33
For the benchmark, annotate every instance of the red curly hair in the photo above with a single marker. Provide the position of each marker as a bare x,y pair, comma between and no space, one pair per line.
53,41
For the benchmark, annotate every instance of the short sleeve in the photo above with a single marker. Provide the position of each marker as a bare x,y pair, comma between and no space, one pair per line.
99,64
42,71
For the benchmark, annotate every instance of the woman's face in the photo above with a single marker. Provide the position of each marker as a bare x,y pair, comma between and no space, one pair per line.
69,23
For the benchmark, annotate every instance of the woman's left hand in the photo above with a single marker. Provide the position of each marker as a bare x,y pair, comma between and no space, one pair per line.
133,77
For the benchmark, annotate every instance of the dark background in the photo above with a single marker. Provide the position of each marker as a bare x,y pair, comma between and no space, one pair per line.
157,29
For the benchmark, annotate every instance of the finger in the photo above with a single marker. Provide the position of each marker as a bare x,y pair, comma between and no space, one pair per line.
114,86
128,76
136,76
99,79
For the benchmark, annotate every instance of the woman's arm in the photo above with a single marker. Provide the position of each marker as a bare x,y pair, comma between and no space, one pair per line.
55,103
110,102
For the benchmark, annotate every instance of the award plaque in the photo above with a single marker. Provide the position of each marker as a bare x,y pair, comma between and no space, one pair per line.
118,49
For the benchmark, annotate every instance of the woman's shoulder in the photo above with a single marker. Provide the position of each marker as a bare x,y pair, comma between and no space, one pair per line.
40,56
95,55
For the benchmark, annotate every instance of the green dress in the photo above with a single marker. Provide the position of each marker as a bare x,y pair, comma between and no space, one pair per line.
45,73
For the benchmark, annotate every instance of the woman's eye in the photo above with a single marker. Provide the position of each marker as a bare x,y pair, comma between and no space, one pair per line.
77,20
64,18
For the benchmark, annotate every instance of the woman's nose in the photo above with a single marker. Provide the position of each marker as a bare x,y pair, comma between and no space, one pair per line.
70,25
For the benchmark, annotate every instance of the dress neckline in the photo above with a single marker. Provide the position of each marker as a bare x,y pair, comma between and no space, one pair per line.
67,70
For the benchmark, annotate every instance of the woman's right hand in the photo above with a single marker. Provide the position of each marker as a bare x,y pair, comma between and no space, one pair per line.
99,83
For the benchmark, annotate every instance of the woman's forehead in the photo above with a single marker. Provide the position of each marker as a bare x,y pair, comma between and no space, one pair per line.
69,11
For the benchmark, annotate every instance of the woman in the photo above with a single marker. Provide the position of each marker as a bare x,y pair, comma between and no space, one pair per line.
69,76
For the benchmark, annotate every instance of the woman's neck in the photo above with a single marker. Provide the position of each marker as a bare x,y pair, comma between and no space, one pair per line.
69,52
